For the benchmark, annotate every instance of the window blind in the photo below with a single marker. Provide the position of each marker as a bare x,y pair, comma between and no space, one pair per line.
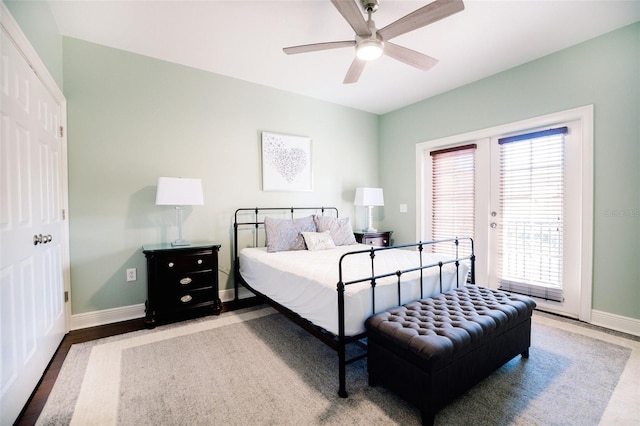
531,206
453,197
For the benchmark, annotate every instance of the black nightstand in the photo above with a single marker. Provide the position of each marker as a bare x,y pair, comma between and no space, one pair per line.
380,239
182,282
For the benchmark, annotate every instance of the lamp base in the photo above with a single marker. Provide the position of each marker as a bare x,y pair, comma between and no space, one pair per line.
370,230
180,243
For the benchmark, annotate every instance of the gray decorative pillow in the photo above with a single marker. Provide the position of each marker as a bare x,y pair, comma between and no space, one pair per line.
339,229
285,234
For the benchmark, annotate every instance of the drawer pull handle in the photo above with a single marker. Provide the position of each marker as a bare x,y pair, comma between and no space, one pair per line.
199,261
170,264
186,299
186,281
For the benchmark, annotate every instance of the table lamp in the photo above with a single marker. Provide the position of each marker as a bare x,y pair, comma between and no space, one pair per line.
179,192
369,197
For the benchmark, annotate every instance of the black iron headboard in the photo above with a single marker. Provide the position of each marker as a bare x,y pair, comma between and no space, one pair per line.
252,218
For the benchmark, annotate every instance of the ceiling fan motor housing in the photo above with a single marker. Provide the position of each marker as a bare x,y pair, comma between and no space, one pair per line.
369,6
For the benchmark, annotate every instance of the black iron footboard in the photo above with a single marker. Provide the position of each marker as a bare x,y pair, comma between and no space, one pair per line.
339,342
374,278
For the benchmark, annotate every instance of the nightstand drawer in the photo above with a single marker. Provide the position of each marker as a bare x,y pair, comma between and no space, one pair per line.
186,262
375,241
177,300
188,281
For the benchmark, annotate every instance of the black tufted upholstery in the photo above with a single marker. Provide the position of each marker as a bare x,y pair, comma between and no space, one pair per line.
449,324
433,349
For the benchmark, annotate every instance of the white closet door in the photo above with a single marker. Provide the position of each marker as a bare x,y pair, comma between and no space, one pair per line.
32,314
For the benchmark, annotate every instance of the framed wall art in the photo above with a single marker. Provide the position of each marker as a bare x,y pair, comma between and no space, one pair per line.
286,163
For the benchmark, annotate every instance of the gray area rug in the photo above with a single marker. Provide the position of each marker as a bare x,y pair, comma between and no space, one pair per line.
268,371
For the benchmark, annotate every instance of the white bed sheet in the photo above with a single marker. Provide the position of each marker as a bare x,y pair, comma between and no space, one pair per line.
306,281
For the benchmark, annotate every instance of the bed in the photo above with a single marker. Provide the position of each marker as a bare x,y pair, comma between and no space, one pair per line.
305,262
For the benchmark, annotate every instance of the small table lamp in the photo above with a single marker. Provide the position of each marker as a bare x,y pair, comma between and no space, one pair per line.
179,192
369,197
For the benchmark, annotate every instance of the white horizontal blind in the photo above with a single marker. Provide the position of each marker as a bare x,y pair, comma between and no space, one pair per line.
531,208
453,197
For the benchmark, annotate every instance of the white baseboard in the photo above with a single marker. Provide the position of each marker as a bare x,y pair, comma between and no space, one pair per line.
228,295
125,313
106,316
616,322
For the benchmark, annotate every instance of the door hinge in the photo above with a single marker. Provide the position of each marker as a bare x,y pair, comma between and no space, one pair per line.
64,214
66,296
61,131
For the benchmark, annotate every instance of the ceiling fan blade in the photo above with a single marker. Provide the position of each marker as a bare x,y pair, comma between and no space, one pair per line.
318,46
426,15
409,57
351,13
353,74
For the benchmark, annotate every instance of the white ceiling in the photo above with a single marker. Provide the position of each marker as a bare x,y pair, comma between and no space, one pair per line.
244,39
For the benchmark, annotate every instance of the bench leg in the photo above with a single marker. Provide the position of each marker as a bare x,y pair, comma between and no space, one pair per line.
372,381
525,354
428,415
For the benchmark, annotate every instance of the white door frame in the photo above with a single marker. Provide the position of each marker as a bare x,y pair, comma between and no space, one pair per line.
20,39
423,208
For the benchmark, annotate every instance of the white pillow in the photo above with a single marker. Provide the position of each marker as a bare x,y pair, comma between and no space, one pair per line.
318,240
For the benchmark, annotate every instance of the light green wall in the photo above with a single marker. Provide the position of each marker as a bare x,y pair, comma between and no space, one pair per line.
132,119
604,72
37,22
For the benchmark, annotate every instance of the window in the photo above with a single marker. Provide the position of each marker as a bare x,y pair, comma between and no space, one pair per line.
453,196
531,194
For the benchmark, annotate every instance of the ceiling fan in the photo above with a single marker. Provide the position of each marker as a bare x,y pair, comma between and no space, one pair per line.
371,43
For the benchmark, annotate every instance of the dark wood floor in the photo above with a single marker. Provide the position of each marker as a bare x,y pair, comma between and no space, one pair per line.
34,406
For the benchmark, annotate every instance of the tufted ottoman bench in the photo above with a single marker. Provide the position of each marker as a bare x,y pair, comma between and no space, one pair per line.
433,350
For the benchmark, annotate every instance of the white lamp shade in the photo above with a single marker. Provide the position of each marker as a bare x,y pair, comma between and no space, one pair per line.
179,192
369,197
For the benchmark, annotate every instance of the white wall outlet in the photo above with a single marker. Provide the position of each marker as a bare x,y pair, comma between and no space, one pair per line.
403,208
131,274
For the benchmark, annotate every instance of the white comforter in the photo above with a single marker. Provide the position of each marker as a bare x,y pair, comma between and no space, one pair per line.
306,281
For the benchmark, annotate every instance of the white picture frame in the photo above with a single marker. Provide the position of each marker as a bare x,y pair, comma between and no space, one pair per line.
286,162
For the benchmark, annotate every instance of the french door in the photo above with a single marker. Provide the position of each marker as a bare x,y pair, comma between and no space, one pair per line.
532,234
32,228
531,202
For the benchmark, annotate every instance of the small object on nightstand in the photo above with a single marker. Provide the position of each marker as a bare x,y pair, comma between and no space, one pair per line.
378,239
182,282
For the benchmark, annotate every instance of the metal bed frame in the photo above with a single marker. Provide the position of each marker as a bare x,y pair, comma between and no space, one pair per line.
340,342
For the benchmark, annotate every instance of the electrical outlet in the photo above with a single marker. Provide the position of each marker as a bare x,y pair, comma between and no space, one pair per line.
403,208
131,274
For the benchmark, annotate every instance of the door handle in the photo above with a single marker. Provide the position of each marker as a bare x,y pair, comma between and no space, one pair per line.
42,239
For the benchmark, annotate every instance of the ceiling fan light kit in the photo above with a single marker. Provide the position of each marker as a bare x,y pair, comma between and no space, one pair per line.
371,43
369,49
